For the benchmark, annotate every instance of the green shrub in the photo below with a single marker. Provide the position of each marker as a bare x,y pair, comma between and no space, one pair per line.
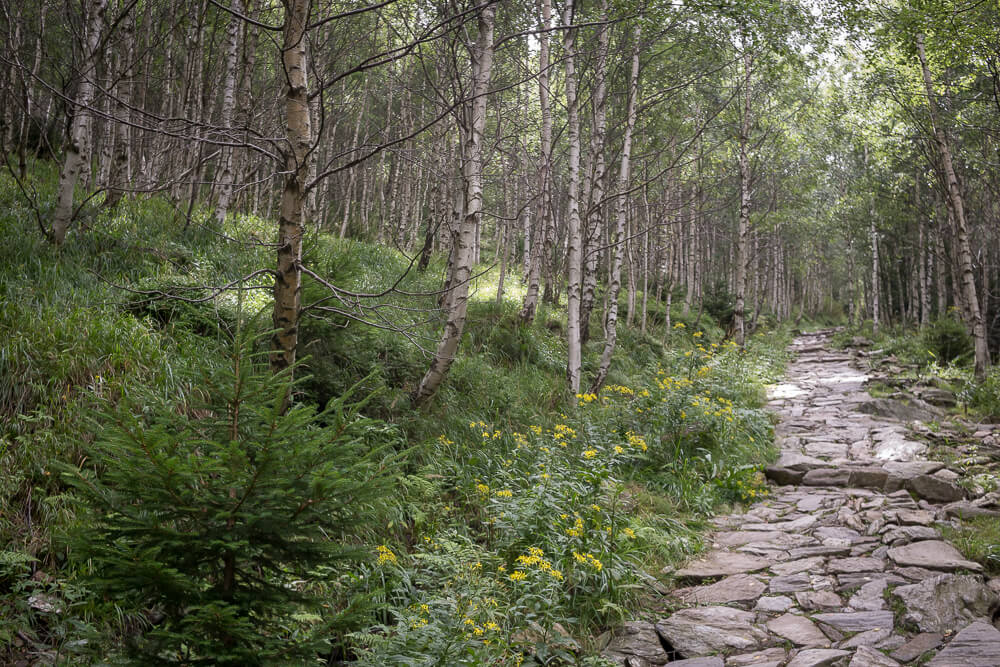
221,516
948,340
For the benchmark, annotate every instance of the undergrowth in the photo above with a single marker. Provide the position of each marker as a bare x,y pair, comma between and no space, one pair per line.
523,520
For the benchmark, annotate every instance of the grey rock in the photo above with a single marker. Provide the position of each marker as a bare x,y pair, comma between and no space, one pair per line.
806,552
976,646
777,604
913,410
798,630
906,534
827,477
799,462
932,554
783,476
818,600
917,646
735,588
770,656
946,602
869,478
790,583
722,563
857,621
870,596
866,656
854,565
963,509
819,657
935,489
910,469
706,630
915,517
713,661
867,638
740,537
636,639
814,564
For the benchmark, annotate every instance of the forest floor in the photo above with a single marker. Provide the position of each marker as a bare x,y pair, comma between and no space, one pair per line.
845,562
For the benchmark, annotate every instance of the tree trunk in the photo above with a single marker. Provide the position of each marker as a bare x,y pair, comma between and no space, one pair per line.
739,325
614,285
543,236
593,218
228,104
78,149
473,125
574,358
288,276
982,353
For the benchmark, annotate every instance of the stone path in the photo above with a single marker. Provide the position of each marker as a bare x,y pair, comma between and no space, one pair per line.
843,565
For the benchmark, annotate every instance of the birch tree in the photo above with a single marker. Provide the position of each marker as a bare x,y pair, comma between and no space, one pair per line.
471,128
77,157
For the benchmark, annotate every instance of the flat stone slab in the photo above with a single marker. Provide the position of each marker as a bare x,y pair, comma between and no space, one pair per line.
735,588
856,621
777,604
814,564
976,646
908,469
827,477
932,554
818,657
714,661
799,630
721,564
853,565
917,646
866,656
770,656
738,538
704,631
818,600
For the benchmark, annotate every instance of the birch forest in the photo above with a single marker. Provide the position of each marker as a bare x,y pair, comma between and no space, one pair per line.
436,332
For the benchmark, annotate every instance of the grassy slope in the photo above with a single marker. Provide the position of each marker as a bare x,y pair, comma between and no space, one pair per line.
505,465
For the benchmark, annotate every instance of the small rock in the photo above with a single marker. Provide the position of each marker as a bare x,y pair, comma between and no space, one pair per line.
866,656
770,656
905,534
778,604
818,657
790,583
870,596
857,621
867,638
814,564
818,600
853,565
917,646
798,630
